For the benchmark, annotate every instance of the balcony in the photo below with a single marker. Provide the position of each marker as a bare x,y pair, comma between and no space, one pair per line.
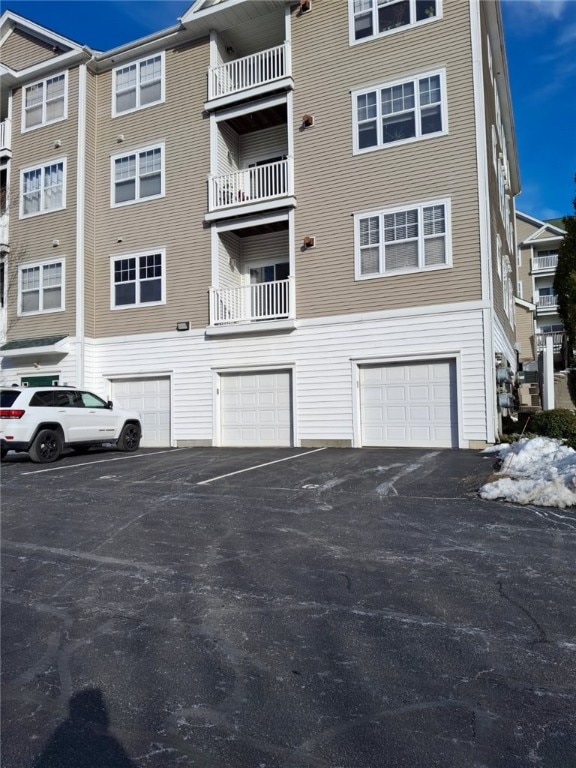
259,184
258,73
5,138
252,303
557,337
544,263
547,303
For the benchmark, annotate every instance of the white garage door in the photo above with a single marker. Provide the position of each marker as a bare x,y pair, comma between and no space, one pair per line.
409,404
256,409
151,397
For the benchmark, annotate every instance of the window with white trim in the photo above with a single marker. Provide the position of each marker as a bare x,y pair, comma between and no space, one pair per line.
41,288
138,176
138,85
138,280
499,255
42,189
405,110
374,18
45,102
402,240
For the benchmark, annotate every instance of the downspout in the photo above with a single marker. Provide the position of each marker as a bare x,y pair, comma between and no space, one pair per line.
80,225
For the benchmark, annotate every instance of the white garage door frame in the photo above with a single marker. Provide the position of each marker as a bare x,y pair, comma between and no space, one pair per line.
113,377
358,363
231,371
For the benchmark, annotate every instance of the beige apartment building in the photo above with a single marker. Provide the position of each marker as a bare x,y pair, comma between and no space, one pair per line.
537,317
275,223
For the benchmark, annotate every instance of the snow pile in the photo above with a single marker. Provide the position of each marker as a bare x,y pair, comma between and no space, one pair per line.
538,471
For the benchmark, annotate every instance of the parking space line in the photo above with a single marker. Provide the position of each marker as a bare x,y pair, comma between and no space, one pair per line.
258,466
102,461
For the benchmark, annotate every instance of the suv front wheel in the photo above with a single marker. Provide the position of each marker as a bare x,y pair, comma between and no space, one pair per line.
46,448
129,439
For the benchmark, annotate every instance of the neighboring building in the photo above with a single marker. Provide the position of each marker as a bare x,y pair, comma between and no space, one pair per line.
274,223
536,303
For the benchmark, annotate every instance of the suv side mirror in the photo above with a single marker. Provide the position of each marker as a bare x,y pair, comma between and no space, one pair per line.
109,404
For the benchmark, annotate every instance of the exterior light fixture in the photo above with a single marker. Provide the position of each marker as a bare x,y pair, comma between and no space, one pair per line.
183,325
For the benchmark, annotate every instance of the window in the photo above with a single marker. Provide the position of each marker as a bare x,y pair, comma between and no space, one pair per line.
372,18
138,280
43,189
138,85
499,255
399,112
88,400
44,102
40,288
138,176
403,240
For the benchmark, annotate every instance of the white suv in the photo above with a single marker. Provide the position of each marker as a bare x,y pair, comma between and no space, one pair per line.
44,420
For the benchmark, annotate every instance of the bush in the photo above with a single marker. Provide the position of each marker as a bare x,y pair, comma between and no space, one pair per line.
559,423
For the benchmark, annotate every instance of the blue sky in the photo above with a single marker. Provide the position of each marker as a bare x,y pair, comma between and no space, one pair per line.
541,49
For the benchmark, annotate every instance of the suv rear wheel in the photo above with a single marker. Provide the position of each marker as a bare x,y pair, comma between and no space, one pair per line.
129,439
46,448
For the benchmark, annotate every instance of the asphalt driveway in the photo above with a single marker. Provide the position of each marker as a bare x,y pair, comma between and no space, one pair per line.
254,609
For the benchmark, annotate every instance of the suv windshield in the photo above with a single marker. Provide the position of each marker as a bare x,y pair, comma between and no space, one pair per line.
8,397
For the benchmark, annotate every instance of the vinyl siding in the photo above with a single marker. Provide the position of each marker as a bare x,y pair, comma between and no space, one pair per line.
524,332
263,145
524,230
331,183
321,353
174,222
21,50
547,235
269,248
228,150
31,239
229,256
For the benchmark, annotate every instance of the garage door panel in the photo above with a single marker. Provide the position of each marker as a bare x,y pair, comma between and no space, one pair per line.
256,409
151,398
395,414
411,404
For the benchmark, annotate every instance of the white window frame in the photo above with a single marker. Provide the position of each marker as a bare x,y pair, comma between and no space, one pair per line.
385,33
446,202
42,168
40,265
138,304
136,153
499,255
44,121
441,73
161,55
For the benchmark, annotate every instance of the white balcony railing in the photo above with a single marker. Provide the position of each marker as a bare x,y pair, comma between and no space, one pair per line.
557,341
262,182
249,72
249,303
5,138
547,301
540,263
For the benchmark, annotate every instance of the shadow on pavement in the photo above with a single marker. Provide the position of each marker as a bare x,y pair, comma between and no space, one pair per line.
83,740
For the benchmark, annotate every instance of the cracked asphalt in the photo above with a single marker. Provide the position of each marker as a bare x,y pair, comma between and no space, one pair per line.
262,608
